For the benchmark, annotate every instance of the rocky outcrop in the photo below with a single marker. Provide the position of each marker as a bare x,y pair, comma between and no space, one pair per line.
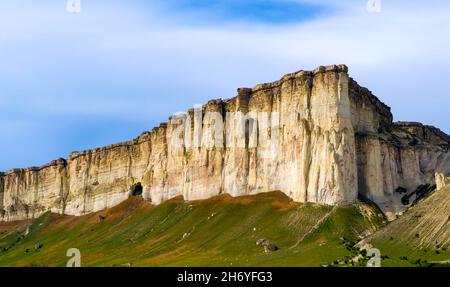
268,246
294,135
87,182
441,181
315,135
397,165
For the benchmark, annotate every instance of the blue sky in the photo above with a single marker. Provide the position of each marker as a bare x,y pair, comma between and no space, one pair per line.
77,81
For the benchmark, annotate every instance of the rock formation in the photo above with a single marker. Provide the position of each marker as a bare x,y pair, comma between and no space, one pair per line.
316,136
441,181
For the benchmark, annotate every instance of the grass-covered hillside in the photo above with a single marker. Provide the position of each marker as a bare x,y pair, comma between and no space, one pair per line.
420,237
221,231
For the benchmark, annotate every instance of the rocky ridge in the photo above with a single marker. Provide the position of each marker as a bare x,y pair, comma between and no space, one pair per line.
317,136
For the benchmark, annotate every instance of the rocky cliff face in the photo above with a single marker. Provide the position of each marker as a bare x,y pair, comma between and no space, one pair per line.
316,136
441,181
397,166
294,135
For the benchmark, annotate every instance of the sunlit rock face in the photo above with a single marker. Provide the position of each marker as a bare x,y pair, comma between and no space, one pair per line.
441,180
87,182
315,135
294,135
27,193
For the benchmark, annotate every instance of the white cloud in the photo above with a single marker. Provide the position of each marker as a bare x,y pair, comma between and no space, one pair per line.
120,39
114,59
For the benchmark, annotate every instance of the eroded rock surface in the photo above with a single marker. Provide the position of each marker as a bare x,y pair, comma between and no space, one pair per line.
441,181
315,135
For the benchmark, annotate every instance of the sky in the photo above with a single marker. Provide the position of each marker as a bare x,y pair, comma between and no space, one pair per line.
75,81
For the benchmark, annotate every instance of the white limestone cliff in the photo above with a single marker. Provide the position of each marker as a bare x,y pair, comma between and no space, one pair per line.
316,136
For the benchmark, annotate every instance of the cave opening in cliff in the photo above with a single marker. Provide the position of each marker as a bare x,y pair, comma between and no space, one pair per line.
136,189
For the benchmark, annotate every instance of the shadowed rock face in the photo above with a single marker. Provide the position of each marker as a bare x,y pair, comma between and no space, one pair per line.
396,165
316,136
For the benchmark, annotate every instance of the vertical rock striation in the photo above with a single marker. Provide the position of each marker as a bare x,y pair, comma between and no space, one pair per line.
397,165
294,135
441,181
315,135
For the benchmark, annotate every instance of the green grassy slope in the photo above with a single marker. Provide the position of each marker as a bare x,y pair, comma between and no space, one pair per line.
221,231
419,237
